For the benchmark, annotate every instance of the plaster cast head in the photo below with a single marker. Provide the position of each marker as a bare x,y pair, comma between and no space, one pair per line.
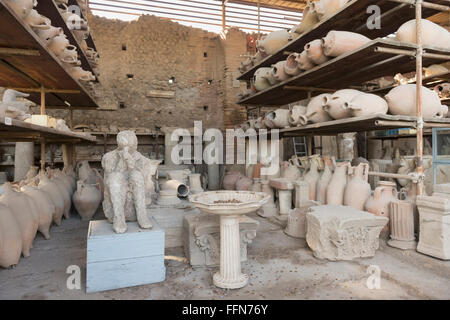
128,139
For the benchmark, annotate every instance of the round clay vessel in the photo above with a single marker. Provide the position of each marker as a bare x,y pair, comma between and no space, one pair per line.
315,112
244,183
304,63
52,190
279,118
326,8
23,214
295,115
22,7
10,238
384,194
432,34
278,71
314,51
366,104
291,67
337,43
66,195
322,185
312,177
230,179
334,104
289,171
46,208
357,191
310,19
273,42
86,200
260,79
336,187
402,101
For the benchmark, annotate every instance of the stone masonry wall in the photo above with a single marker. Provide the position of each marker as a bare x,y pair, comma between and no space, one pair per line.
202,64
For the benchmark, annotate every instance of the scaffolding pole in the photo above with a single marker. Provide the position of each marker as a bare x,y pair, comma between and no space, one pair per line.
419,79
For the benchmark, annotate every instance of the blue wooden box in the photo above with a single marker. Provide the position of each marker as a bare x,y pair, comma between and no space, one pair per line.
123,260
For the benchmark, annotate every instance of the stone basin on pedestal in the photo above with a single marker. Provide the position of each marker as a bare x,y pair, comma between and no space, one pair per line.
229,205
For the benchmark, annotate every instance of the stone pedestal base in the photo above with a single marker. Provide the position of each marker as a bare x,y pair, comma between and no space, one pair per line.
296,224
343,233
168,198
201,238
434,238
403,245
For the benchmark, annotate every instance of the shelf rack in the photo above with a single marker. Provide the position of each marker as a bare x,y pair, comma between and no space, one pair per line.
375,63
352,17
28,66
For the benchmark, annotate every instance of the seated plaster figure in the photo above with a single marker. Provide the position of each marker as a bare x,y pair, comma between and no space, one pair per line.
125,186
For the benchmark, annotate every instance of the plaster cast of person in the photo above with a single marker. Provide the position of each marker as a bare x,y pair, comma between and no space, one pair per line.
125,184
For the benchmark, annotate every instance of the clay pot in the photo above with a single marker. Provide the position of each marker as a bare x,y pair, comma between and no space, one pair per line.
86,200
326,8
279,118
357,191
289,171
230,180
58,44
304,63
366,104
337,43
81,75
312,177
278,71
273,42
315,53
10,238
22,212
295,115
435,69
47,35
261,80
52,190
384,194
45,206
66,195
310,19
315,112
259,124
291,67
22,7
322,185
85,173
402,101
37,21
336,187
432,34
443,90
334,104
244,183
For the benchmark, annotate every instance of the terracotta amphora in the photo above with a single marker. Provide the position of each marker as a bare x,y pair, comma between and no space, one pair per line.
432,34
295,115
310,19
22,7
260,79
279,118
312,177
244,183
10,238
52,190
58,43
289,171
334,104
46,208
86,199
366,104
315,112
291,66
230,179
273,42
314,51
37,21
278,71
357,191
337,43
336,187
47,35
384,194
304,63
322,185
327,8
23,214
402,101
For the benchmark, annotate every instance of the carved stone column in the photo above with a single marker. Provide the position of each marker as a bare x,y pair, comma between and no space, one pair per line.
284,202
195,185
402,225
230,275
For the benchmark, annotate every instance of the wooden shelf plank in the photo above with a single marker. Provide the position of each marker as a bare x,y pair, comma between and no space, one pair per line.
361,124
350,69
34,71
26,130
352,17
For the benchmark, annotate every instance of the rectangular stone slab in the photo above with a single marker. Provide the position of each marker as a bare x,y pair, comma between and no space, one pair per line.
343,233
123,260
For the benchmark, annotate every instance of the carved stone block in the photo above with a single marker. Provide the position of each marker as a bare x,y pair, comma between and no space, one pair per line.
434,237
343,233
201,235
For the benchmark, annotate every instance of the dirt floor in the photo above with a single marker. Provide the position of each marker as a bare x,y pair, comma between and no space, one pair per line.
280,267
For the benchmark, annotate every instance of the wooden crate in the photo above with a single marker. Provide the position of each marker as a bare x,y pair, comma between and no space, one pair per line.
123,260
